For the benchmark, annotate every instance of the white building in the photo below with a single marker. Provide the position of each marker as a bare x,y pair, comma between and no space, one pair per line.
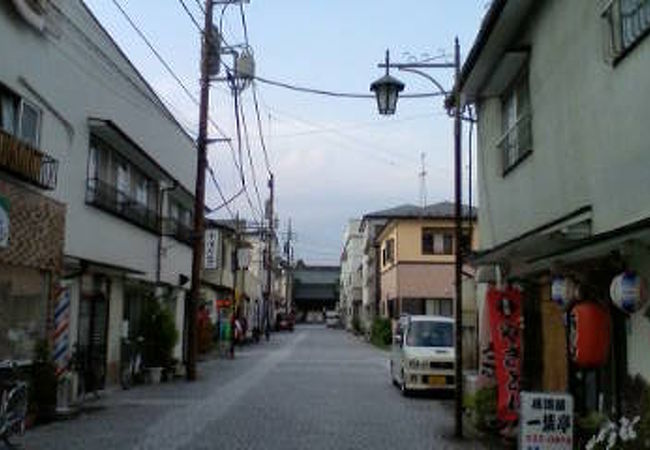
350,303
561,91
126,170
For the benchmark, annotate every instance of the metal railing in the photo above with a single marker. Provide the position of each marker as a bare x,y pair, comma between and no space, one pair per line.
629,22
178,230
516,143
107,197
27,163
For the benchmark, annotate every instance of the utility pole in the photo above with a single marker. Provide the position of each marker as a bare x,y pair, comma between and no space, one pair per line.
458,191
288,255
269,254
199,196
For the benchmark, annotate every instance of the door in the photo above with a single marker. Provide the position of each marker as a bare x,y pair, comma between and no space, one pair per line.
92,339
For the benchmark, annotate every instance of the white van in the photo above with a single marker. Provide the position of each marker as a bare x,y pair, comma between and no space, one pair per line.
423,354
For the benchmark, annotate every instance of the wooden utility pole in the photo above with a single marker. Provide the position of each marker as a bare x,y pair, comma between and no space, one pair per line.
269,254
199,196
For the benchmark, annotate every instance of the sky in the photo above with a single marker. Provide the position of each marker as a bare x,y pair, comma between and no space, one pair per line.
333,159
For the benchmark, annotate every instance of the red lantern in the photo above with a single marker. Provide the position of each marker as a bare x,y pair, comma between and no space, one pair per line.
590,329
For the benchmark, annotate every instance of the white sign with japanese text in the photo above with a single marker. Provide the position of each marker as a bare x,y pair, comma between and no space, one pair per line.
212,249
546,421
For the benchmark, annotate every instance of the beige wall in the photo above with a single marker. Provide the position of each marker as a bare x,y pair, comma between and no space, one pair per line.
408,240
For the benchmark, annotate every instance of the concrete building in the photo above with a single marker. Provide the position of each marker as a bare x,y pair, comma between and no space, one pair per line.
125,171
350,302
370,227
561,90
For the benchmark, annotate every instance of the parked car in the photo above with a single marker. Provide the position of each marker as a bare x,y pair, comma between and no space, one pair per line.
332,319
423,354
284,322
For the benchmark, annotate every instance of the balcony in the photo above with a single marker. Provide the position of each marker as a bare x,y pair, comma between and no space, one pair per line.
107,197
27,163
178,230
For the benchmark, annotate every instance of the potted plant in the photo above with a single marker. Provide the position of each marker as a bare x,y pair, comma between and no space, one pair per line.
160,335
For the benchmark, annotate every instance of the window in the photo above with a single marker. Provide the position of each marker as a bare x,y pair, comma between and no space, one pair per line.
436,242
388,252
19,118
516,141
629,22
439,307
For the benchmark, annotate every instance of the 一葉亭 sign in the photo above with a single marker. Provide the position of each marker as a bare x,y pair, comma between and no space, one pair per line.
546,421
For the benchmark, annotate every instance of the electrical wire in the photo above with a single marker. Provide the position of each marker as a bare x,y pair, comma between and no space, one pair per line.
250,156
191,16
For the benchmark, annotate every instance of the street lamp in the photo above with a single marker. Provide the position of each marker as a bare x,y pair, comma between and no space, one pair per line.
387,91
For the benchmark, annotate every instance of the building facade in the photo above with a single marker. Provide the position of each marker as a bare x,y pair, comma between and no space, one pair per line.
560,89
125,170
350,303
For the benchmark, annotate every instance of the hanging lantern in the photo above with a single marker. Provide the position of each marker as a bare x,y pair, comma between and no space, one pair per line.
563,291
590,335
628,292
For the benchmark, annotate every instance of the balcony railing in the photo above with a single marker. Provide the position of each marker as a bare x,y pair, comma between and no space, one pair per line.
178,230
516,143
107,197
27,163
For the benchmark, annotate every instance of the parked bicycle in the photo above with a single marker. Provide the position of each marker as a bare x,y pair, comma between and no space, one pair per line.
13,403
132,370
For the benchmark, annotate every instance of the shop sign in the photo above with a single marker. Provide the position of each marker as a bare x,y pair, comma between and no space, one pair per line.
212,253
546,421
505,328
4,222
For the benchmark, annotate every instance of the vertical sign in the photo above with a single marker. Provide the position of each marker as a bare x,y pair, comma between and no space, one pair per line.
4,222
212,252
546,421
505,327
61,325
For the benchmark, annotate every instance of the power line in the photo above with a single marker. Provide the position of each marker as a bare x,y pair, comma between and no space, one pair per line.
250,156
191,16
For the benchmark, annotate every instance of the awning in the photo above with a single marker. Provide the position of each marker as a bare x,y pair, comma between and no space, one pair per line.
542,250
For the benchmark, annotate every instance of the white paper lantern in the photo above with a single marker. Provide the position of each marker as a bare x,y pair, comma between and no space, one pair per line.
563,290
628,292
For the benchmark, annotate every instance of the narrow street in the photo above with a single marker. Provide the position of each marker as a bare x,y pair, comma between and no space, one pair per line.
313,389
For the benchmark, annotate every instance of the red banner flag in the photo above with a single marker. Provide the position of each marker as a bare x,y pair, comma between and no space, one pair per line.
505,327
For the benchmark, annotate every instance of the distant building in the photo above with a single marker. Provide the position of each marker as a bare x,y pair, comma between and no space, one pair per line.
315,289
350,304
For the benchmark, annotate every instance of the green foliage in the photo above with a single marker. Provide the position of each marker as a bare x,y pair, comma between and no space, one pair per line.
43,382
485,408
158,329
381,333
356,324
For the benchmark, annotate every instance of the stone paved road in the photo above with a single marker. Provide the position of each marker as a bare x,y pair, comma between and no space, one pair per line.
312,389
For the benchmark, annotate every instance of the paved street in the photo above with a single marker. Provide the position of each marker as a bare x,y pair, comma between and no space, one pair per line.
313,389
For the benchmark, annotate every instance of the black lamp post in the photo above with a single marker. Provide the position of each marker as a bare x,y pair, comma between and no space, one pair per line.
387,91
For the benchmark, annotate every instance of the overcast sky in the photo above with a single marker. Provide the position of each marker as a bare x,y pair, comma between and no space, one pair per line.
333,158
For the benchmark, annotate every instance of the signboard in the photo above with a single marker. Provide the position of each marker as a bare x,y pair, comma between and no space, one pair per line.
546,421
504,308
4,222
212,249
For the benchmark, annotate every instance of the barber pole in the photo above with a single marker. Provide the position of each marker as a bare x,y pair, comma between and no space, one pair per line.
61,327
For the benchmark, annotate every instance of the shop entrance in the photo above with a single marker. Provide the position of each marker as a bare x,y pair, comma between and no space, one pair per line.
93,325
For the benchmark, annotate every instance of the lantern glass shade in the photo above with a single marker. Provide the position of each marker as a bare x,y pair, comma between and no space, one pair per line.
386,90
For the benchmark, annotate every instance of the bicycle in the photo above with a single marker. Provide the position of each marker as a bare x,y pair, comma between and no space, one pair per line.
13,404
132,370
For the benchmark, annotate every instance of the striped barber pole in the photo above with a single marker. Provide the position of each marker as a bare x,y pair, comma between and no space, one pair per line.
61,335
